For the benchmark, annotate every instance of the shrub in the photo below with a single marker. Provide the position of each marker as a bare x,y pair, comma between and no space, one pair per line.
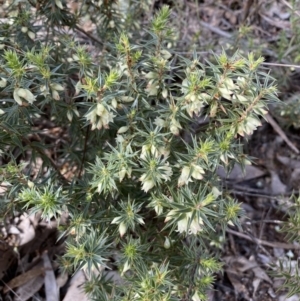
143,132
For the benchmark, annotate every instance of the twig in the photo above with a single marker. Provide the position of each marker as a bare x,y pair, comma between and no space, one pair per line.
84,150
281,65
264,242
281,133
88,35
290,7
216,30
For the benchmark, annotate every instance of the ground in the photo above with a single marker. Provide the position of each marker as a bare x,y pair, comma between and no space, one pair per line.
265,189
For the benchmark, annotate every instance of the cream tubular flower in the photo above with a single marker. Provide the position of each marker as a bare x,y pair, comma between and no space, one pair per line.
197,172
185,176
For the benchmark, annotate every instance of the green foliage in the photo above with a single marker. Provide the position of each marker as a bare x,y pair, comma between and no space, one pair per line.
143,187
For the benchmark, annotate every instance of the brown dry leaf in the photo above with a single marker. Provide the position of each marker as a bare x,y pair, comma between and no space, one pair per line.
24,278
276,186
239,264
237,175
239,288
51,289
259,272
256,282
291,163
31,287
75,291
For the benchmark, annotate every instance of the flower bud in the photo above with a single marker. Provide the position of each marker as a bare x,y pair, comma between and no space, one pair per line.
122,174
165,93
123,129
174,130
55,95
100,109
185,176
24,93
57,87
3,82
59,4
167,243
30,184
76,112
197,172
122,229
24,29
70,115
114,103
126,267
31,35
17,98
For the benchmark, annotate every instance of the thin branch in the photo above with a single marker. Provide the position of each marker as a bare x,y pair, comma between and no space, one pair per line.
84,150
290,7
281,65
88,35
281,133
216,30
264,242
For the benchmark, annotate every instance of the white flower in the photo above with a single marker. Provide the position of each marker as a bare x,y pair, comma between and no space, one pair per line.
185,176
167,172
195,297
125,268
174,127
165,54
3,82
116,220
91,116
152,88
70,115
57,87
20,93
195,226
197,172
122,174
55,95
147,185
127,98
154,151
100,109
31,35
167,243
114,103
182,225
122,229
216,192
164,93
164,151
158,209
145,151
170,215
123,129
30,184
59,4
159,122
